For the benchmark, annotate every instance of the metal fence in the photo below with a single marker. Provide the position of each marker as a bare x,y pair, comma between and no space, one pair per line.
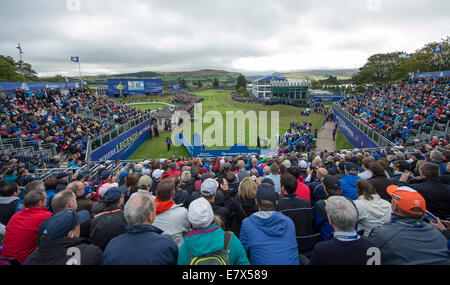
372,134
26,149
103,139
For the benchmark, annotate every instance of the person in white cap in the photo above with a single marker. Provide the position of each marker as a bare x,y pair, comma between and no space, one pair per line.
206,237
156,175
208,190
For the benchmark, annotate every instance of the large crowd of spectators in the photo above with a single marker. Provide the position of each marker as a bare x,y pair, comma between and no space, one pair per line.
395,110
50,116
296,208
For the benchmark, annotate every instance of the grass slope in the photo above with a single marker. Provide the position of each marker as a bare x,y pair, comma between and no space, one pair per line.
220,100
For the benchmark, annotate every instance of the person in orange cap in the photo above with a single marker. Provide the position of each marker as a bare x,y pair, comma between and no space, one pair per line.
407,239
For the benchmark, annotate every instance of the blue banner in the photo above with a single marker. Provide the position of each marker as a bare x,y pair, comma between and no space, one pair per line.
133,86
353,134
33,86
124,145
435,74
176,87
325,98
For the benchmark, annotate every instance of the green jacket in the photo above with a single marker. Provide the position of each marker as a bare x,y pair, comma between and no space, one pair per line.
208,240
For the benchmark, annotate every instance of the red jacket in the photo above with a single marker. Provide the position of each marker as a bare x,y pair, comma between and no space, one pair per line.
21,232
173,172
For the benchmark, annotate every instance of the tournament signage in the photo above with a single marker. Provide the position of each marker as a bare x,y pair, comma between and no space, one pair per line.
124,145
33,86
353,134
133,86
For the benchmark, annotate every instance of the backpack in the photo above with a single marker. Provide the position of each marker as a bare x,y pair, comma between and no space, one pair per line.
216,258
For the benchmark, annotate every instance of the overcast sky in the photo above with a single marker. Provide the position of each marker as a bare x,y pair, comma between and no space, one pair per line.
112,36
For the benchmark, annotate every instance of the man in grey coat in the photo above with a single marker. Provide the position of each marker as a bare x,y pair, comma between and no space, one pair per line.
407,239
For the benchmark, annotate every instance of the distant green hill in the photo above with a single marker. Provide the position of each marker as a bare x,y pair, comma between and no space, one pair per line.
206,76
319,74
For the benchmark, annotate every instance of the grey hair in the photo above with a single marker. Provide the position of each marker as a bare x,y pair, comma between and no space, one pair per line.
138,208
342,212
266,170
436,154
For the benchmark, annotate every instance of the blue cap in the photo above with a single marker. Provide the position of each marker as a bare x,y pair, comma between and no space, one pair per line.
105,174
60,224
113,194
123,175
266,191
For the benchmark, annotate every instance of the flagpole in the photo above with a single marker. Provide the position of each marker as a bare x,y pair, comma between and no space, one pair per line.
79,68
21,61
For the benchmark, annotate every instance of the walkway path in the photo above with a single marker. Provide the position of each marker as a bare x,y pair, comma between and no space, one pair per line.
325,138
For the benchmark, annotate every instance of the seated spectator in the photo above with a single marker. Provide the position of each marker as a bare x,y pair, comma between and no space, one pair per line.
181,196
8,200
445,178
407,239
316,188
50,188
99,206
346,247
298,209
243,205
379,180
207,238
275,176
332,187
131,182
171,218
141,243
372,210
348,182
436,194
35,185
21,232
157,173
111,222
269,236
302,190
63,181
61,234
83,202
366,174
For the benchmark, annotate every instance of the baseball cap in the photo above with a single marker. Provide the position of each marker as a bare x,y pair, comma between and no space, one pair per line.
407,199
113,194
200,213
266,191
123,175
303,164
157,173
209,187
105,174
331,182
351,167
85,173
60,224
62,175
286,163
105,187
202,170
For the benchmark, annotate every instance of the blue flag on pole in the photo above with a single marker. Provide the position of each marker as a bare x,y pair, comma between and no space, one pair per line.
437,49
20,49
408,56
74,58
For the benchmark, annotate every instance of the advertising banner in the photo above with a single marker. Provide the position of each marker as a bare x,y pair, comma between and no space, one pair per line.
124,145
33,86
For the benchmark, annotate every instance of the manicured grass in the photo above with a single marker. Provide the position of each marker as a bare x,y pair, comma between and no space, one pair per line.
140,99
145,107
221,101
342,142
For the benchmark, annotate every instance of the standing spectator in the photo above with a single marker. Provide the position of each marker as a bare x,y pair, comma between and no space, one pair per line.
172,219
131,182
372,210
21,232
168,142
316,188
61,233
110,223
206,238
8,201
157,173
181,196
50,189
269,236
186,182
348,182
241,173
407,239
346,247
142,243
366,174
